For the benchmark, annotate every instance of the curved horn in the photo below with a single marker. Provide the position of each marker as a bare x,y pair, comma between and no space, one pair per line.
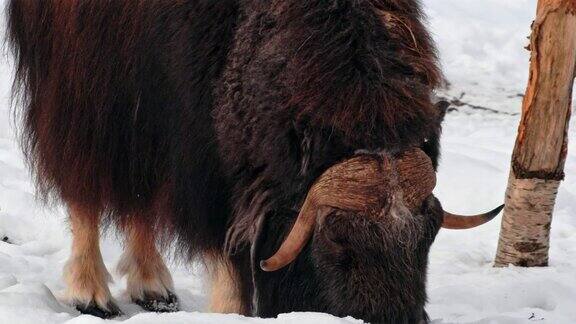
358,185
453,221
296,240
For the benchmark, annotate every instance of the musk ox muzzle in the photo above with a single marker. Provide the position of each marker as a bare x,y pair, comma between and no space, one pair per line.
372,185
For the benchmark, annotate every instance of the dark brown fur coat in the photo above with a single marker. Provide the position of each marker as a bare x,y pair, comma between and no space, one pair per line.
212,118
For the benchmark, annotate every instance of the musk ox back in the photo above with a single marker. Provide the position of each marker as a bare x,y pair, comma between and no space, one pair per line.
308,84
206,123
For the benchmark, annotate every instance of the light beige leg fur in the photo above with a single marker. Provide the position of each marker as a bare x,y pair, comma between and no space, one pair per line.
85,274
147,275
225,295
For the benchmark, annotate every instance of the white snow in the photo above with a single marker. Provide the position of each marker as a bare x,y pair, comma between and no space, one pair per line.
481,46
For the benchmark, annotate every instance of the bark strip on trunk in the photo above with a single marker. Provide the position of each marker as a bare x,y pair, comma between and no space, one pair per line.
541,146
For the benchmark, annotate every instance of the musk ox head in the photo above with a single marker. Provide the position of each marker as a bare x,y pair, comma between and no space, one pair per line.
368,223
376,186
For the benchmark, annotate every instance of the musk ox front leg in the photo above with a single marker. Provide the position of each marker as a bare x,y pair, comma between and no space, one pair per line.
85,273
149,281
225,291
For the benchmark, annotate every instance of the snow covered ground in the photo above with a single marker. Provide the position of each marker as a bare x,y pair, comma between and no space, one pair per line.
481,45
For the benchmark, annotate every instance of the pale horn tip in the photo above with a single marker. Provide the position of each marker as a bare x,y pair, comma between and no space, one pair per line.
267,266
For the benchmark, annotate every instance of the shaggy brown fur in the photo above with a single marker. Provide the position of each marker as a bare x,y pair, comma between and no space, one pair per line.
286,78
107,123
307,85
117,99
212,118
72,105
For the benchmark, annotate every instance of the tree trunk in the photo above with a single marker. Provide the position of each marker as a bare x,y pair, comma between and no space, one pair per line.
541,146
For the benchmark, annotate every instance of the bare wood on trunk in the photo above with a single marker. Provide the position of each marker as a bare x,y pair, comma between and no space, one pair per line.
541,145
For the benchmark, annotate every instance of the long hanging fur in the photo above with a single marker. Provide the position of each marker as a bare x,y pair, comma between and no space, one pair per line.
212,116
85,133
117,99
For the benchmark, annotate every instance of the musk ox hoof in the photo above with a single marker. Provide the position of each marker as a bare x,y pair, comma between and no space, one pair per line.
95,310
159,304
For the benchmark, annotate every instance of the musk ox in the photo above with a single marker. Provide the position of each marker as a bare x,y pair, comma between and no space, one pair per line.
290,145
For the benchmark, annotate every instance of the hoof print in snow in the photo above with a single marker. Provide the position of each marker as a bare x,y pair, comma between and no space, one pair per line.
159,304
94,310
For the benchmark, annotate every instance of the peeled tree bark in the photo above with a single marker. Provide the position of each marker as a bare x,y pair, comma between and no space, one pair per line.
541,145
